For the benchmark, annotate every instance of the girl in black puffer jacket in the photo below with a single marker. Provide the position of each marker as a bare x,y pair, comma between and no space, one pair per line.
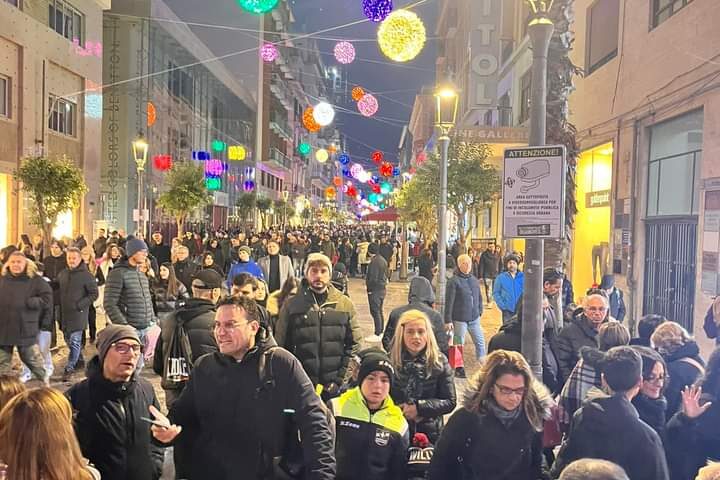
424,385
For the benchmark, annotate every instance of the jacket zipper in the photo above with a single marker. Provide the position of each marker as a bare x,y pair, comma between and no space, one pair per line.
320,348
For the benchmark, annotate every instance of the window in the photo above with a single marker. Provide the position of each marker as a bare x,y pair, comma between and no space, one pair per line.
664,9
12,2
4,96
525,95
674,166
505,111
63,114
602,33
66,20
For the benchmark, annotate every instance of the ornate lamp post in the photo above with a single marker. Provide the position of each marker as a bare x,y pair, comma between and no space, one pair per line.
140,152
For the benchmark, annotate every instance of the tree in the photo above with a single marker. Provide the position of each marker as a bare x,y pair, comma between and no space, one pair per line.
55,186
414,205
263,205
246,203
186,192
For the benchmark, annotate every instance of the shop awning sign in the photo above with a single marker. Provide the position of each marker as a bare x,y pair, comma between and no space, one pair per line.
534,192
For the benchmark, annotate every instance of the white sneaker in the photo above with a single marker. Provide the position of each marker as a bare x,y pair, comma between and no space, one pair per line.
373,339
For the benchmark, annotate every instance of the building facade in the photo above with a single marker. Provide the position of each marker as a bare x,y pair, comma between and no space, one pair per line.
50,102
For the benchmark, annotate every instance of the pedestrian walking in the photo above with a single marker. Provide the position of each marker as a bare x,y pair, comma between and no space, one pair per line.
88,258
276,268
581,332
615,296
159,249
243,265
100,244
426,265
168,292
488,270
508,288
376,279
185,268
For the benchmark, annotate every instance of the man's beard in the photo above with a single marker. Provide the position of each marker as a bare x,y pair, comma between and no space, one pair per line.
320,289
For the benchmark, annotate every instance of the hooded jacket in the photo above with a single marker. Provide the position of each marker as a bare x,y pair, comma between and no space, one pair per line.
572,338
609,428
108,426
507,290
227,415
128,300
477,445
421,297
681,373
377,274
78,291
462,298
23,300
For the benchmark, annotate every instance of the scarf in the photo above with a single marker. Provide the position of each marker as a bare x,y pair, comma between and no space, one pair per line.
507,418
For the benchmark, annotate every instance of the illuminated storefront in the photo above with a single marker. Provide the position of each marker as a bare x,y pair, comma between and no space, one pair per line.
591,237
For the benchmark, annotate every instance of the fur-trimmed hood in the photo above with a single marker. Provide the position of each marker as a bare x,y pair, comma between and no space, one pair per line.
592,356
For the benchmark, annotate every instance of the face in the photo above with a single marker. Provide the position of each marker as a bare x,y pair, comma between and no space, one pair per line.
121,360
551,289
512,266
375,388
464,264
209,260
247,291
273,248
595,310
55,250
243,255
85,256
509,391
164,272
652,386
261,292
182,254
318,276
157,237
114,253
74,259
233,333
17,264
139,257
415,336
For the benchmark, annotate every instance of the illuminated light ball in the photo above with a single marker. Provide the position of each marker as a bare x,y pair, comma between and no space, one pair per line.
218,145
373,198
322,155
162,162
332,149
376,188
375,179
396,172
249,173
401,36
151,114
344,158
364,177
377,10
347,173
323,114
359,198
237,152
258,7
351,191
200,155
357,93
385,188
248,185
213,183
337,181
380,198
309,121
377,157
330,193
356,170
269,52
344,52
386,169
344,188
367,105
304,149
214,168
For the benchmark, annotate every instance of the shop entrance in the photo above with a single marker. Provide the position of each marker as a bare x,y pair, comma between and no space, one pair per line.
591,238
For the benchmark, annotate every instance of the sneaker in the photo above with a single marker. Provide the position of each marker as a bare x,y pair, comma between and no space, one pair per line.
460,372
373,339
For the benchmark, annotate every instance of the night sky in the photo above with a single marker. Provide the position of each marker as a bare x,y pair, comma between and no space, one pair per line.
395,83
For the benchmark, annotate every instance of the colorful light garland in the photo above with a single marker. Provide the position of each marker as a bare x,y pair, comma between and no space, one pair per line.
218,146
151,114
401,36
357,93
346,173
304,148
321,155
356,169
214,168
344,158
377,157
396,171
201,155
352,191
385,188
237,152
386,169
213,183
248,185
269,52
368,105
344,52
309,121
257,7
330,193
337,181
323,114
377,10
162,162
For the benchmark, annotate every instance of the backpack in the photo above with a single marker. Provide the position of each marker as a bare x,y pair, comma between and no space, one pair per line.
177,364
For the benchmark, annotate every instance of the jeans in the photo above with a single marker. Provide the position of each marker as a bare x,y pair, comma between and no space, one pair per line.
43,341
30,356
74,343
375,302
142,335
476,332
507,315
488,284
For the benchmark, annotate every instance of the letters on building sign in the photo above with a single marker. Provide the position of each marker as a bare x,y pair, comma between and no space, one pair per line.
491,135
597,199
91,49
485,45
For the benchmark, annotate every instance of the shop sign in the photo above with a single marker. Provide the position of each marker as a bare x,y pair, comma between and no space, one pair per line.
484,49
490,134
534,192
597,199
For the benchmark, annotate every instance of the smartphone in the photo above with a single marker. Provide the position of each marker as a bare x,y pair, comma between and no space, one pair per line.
157,423
26,239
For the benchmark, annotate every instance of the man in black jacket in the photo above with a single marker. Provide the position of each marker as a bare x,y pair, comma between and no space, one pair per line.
238,420
78,291
158,249
609,428
488,270
375,281
185,269
109,406
581,332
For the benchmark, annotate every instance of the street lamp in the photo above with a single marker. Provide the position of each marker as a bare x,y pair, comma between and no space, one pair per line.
446,98
140,151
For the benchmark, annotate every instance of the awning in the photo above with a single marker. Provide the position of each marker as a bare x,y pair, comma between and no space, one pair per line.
390,214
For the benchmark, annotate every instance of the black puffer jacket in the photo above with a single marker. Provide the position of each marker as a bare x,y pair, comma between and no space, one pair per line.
53,266
185,271
23,301
78,292
128,299
653,412
109,429
432,392
572,338
322,337
682,373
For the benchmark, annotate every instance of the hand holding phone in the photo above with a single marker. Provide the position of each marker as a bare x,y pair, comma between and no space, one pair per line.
161,427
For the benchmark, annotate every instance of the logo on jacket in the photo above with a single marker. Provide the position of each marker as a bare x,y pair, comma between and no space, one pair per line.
382,437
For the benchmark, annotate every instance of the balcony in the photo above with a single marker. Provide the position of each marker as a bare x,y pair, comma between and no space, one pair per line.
279,125
279,159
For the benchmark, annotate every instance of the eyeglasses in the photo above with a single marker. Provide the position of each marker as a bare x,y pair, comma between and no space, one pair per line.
511,391
654,379
125,348
229,327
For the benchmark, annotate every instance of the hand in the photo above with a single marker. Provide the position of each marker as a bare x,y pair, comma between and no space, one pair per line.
164,434
449,328
691,402
410,411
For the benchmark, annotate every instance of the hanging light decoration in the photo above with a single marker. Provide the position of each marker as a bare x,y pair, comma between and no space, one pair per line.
323,114
377,10
337,181
162,162
385,188
330,193
344,52
376,188
257,7
200,155
213,183
351,191
356,169
332,148
368,105
375,179
269,52
237,152
373,198
248,185
321,155
363,177
401,36
357,93
377,157
386,169
347,173
344,158
304,148
218,146
309,121
151,114
249,173
396,171
214,168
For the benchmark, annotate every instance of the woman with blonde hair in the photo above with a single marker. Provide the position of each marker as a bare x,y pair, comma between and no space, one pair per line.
424,386
37,440
497,434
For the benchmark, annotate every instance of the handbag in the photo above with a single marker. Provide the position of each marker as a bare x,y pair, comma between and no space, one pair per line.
455,355
552,431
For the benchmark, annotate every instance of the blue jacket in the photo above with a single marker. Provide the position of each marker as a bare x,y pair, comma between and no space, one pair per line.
244,267
462,299
617,305
507,290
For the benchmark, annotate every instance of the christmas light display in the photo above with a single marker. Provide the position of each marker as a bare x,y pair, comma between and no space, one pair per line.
385,188
386,169
346,173
344,158
363,177
237,152
401,36
269,52
214,168
213,183
248,185
309,121
377,157
249,173
396,171
357,93
257,7
352,191
376,188
375,179
377,10
200,155
218,146
356,170
373,198
151,114
321,155
344,52
330,193
304,149
337,181
162,162
368,105
323,114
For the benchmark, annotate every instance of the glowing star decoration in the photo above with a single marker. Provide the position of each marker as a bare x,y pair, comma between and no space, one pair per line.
321,155
237,152
377,157
323,114
344,52
337,181
356,170
304,149
377,10
386,169
344,158
385,188
151,114
269,53
258,7
401,36
162,162
368,105
357,93
309,121
213,183
330,193
248,185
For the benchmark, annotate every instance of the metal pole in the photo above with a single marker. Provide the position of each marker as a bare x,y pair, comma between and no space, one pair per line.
442,213
139,199
540,31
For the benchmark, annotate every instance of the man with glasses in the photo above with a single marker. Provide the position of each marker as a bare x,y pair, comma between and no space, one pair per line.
110,405
581,332
237,417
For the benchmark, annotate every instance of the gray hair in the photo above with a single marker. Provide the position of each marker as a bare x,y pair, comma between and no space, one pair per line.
593,469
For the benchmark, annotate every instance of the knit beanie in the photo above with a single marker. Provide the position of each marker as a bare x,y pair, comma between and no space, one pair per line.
134,246
315,258
112,334
374,362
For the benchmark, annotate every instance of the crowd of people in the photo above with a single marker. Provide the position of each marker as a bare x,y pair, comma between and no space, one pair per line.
257,344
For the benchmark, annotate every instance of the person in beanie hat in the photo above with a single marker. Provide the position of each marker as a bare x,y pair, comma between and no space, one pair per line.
243,265
109,406
615,295
508,288
371,431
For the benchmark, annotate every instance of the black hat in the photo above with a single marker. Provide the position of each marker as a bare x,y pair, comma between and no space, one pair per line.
373,249
373,362
513,257
207,279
